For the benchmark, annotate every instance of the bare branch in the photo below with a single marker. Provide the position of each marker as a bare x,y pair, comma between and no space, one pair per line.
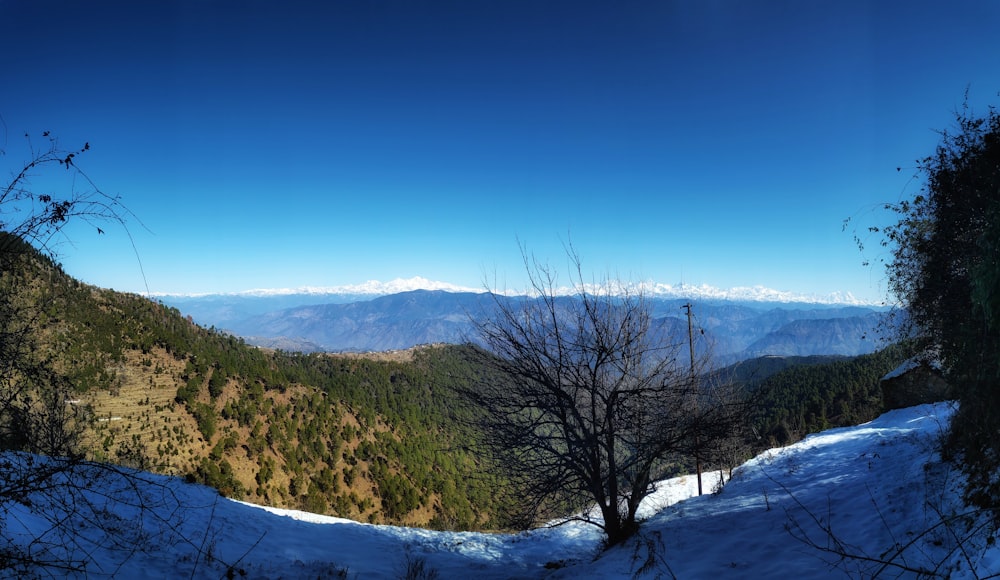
594,403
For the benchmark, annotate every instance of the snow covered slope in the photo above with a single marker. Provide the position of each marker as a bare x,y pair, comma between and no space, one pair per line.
875,491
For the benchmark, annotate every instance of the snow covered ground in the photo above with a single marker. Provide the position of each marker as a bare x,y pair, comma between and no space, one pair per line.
874,492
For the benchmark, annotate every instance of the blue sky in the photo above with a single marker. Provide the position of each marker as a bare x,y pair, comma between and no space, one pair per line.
291,144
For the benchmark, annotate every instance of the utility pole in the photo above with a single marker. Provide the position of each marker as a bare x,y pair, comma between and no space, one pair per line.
697,438
690,336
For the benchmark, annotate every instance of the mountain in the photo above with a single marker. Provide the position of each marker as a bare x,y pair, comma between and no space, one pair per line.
847,336
856,502
224,309
220,309
392,322
739,330
732,330
267,298
756,370
375,439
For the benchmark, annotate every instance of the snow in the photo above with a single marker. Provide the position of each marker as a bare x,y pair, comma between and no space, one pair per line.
369,288
651,289
750,294
867,489
930,359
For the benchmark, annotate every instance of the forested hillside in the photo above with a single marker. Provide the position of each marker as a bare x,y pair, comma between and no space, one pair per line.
816,393
373,440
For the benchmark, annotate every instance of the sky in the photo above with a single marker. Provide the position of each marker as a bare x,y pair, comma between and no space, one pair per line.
875,488
294,144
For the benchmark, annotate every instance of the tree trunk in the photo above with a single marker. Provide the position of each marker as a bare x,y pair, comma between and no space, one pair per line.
621,529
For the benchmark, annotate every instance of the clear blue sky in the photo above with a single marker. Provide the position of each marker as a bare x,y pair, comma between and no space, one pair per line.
267,144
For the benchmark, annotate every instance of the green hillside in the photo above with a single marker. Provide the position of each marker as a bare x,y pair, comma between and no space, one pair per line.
374,439
808,396
756,370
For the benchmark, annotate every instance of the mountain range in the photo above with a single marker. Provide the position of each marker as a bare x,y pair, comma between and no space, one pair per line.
375,288
355,321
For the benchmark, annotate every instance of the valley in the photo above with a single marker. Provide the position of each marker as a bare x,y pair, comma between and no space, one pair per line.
732,330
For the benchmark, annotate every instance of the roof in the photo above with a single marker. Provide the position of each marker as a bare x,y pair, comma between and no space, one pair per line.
921,360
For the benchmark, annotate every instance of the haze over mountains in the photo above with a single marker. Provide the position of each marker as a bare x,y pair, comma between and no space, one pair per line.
373,288
735,324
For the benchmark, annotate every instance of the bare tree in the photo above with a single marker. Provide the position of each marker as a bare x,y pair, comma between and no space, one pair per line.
34,415
57,509
38,414
595,403
36,213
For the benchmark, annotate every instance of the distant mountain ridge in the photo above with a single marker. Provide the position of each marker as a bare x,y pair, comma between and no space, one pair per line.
391,322
371,288
375,288
733,330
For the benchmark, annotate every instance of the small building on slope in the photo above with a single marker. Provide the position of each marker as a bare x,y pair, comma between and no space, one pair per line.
917,381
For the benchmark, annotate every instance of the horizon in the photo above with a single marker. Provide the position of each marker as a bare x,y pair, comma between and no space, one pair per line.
648,288
304,145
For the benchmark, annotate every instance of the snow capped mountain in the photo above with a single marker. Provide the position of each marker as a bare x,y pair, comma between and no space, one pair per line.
369,288
405,312
748,294
340,322
373,288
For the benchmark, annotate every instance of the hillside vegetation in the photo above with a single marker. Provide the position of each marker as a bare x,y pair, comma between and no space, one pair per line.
370,439
811,394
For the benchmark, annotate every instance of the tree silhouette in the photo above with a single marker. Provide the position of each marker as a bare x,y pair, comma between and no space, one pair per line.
39,218
594,404
945,271
43,475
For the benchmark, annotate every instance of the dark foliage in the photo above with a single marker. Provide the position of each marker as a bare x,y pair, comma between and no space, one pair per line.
807,398
944,269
